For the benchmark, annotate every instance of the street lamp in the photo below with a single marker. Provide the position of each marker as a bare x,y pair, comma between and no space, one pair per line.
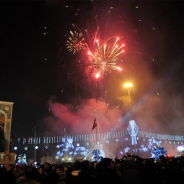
132,129
128,85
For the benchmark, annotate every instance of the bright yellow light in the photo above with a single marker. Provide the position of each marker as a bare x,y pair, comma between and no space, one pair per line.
128,85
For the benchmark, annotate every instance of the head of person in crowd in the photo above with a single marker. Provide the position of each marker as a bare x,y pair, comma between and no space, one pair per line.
30,172
85,165
59,170
53,168
65,168
40,170
7,166
94,164
77,165
106,163
46,167
117,161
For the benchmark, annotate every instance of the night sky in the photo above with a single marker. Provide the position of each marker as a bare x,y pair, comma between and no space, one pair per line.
37,67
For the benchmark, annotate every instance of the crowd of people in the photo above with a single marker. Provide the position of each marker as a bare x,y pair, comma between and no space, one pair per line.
128,170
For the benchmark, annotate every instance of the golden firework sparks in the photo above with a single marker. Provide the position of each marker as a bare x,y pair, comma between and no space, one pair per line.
105,56
76,42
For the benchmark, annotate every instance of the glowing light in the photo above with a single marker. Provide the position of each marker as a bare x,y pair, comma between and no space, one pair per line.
22,159
97,75
36,147
169,156
118,68
15,148
180,148
128,85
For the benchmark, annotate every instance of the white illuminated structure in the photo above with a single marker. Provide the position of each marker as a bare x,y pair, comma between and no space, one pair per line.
133,130
180,148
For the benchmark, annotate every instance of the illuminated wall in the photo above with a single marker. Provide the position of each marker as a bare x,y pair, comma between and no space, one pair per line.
6,109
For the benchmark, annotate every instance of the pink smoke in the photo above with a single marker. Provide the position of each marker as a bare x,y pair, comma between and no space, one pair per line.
80,119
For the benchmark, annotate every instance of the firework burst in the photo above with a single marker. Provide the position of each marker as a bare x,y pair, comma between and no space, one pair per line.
76,42
105,56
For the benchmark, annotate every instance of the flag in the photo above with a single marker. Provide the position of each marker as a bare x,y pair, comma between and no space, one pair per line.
94,124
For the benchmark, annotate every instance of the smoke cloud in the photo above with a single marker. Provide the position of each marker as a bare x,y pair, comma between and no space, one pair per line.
79,119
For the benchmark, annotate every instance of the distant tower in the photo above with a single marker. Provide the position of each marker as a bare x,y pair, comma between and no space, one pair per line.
6,109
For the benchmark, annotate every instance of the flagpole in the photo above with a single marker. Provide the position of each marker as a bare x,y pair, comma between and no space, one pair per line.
95,126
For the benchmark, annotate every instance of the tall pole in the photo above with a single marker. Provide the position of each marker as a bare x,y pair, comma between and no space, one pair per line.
128,86
34,144
130,104
129,97
43,150
96,145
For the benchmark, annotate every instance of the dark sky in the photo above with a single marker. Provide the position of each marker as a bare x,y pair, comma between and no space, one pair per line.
35,62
